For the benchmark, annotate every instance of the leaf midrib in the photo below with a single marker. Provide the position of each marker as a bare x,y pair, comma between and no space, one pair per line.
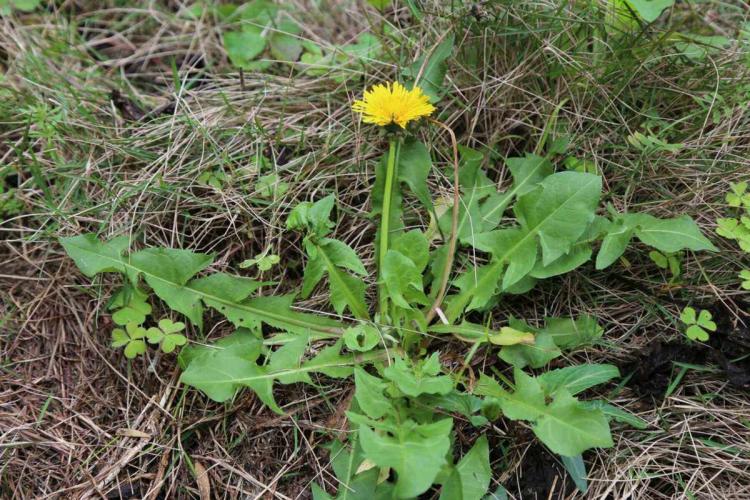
250,309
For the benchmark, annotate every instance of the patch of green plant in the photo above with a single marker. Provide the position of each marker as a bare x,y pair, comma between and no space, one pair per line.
738,228
698,324
8,6
424,297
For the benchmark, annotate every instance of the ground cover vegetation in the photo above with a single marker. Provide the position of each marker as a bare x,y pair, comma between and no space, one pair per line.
375,249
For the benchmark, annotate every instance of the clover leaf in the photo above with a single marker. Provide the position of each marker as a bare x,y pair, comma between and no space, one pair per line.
745,277
697,324
132,306
739,195
131,338
263,261
167,335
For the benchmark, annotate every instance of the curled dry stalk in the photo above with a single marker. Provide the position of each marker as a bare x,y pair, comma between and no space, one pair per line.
430,314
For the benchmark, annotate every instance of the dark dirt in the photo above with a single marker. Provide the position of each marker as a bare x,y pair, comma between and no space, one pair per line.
728,348
540,476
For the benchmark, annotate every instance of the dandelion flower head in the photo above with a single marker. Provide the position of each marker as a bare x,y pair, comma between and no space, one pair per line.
390,103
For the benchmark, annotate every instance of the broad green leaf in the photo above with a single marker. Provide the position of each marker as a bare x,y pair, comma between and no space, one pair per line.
558,211
414,245
220,370
331,363
566,426
314,272
416,452
527,171
347,292
513,246
614,244
471,332
477,286
403,280
542,352
284,44
669,235
470,478
288,357
576,467
578,255
420,378
93,256
414,164
575,379
613,412
475,186
569,428
167,271
649,10
527,402
243,46
342,255
428,74
369,394
569,333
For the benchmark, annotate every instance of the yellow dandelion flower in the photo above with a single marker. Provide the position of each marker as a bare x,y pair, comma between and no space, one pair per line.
392,103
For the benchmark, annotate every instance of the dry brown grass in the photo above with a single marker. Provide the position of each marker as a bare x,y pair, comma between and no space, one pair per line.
77,420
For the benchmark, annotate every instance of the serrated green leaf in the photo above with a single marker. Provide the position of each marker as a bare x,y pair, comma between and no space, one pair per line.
284,44
471,332
421,378
542,352
575,379
669,235
414,165
559,211
347,292
417,453
342,255
569,333
414,245
243,46
470,478
93,256
403,280
477,286
577,256
511,246
613,412
527,171
569,428
369,394
649,10
429,75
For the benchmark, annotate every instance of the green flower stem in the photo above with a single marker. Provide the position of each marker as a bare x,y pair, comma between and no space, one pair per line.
385,219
